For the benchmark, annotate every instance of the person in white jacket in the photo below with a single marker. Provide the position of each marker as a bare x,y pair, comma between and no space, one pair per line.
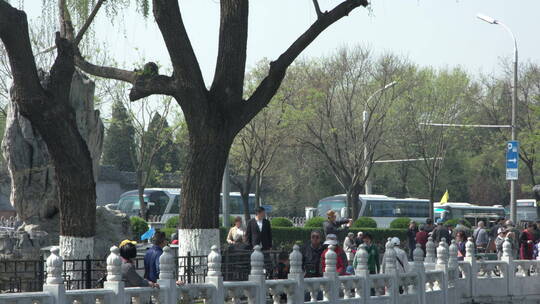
402,262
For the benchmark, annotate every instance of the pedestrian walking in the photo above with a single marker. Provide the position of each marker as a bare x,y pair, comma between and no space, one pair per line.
374,264
311,255
526,240
481,237
411,237
259,231
422,238
151,258
128,252
349,245
237,232
341,264
441,232
461,240
402,263
334,226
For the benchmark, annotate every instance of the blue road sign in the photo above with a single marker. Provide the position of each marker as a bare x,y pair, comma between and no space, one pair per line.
512,160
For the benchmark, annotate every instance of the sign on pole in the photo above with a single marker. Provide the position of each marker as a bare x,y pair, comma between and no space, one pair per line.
512,158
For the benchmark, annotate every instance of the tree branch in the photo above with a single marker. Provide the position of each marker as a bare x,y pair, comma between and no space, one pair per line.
185,65
145,83
317,8
231,60
268,87
87,23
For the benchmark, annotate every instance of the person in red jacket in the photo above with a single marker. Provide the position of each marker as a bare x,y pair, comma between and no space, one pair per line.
422,238
341,265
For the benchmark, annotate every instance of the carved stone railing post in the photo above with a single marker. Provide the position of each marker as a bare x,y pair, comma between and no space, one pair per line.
297,274
390,268
167,282
257,274
330,272
54,283
362,270
114,276
508,257
418,266
430,251
452,272
442,264
470,257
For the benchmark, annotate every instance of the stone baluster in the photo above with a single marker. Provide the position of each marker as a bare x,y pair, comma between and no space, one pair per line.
419,268
362,270
453,252
470,257
114,276
442,264
442,255
330,272
167,282
257,274
297,274
390,268
361,258
55,283
452,271
508,257
430,251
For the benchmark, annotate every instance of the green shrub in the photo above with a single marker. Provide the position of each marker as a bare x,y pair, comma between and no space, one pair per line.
231,220
172,222
138,227
315,222
287,237
281,222
365,222
169,231
400,223
454,222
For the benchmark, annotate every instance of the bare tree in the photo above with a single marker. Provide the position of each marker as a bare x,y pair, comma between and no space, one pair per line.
339,90
45,103
214,116
436,97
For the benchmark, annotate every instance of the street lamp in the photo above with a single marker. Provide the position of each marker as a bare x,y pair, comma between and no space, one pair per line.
491,20
365,120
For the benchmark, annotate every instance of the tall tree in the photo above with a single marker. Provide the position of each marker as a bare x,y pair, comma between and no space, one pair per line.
213,116
339,90
45,103
437,97
119,143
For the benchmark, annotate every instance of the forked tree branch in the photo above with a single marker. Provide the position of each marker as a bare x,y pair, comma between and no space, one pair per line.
185,65
270,84
231,61
317,8
87,23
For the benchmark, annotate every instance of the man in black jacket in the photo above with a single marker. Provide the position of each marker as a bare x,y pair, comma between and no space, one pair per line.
259,231
311,255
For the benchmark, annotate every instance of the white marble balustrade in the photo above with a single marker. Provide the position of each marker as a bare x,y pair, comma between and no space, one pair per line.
437,278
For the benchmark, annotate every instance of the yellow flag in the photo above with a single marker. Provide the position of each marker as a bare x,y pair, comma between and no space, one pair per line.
444,198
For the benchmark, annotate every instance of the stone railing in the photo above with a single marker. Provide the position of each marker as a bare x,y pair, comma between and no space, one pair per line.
443,280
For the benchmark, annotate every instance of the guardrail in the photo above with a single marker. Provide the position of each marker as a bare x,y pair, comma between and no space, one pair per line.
446,281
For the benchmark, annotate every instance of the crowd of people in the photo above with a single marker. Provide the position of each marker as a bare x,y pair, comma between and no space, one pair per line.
525,245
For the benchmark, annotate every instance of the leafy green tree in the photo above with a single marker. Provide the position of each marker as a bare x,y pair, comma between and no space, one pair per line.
119,142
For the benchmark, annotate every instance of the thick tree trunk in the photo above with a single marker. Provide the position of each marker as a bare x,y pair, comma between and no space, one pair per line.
245,205
208,152
258,184
45,103
352,201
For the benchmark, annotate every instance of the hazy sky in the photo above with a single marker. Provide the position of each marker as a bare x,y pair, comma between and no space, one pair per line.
440,33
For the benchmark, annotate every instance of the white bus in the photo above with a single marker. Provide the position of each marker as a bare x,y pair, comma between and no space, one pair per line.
527,210
470,212
164,203
381,208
